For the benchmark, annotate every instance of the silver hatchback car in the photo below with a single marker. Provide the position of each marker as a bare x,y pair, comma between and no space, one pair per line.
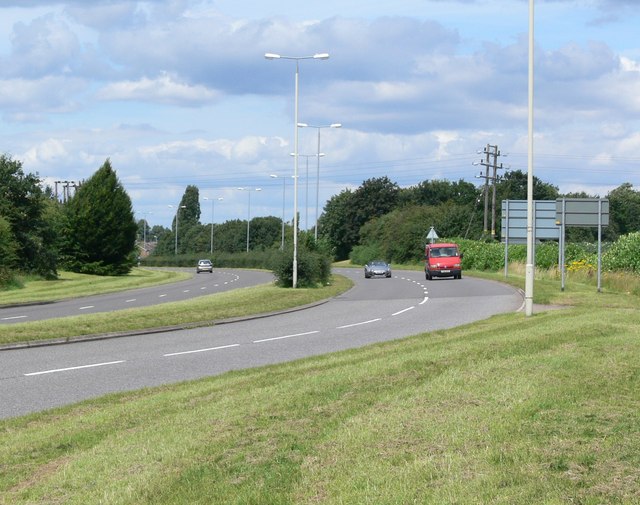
204,266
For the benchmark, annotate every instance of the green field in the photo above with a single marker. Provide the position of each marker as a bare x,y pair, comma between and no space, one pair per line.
511,410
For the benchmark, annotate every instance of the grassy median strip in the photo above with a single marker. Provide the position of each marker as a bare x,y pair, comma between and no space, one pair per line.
512,410
198,311
73,285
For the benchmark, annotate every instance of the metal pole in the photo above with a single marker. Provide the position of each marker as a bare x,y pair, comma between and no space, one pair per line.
306,198
176,244
212,203
248,218
529,274
283,203
315,229
599,244
295,184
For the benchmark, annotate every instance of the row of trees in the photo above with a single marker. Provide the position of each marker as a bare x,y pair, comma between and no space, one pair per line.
393,222
195,237
94,231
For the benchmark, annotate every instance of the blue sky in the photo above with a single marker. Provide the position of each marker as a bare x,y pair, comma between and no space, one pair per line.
178,92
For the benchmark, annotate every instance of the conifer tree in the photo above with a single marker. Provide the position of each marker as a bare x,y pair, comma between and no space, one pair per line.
100,226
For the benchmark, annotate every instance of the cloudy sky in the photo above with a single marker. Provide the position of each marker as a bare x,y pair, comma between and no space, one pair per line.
178,92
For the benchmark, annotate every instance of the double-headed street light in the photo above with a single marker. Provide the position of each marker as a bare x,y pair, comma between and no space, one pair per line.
318,127
144,230
274,176
177,213
306,201
249,190
317,56
213,201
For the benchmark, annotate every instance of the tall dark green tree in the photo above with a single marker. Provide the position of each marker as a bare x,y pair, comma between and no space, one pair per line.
513,186
335,224
22,205
265,233
624,209
8,251
345,213
188,217
100,229
435,192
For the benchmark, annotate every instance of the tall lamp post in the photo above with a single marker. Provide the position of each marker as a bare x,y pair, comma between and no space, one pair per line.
144,230
318,127
317,56
248,190
177,214
274,176
213,201
306,201
529,269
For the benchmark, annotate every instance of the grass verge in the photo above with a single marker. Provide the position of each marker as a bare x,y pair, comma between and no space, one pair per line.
511,410
201,311
73,285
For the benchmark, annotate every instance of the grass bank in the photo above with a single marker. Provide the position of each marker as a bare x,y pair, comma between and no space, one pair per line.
511,410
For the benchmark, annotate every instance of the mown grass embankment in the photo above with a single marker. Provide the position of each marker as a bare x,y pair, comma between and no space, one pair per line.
512,410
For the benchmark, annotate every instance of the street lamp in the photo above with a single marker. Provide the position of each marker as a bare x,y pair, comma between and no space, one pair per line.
144,230
248,190
317,56
306,201
177,213
529,269
274,176
213,201
318,127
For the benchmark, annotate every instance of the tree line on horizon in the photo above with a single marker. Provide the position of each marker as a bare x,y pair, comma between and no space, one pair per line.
94,230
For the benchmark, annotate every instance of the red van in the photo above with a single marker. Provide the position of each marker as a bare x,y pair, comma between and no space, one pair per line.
442,260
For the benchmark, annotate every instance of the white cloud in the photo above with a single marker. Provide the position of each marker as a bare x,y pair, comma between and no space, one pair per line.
165,89
177,92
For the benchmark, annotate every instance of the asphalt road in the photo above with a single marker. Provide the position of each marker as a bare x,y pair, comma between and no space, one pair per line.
375,310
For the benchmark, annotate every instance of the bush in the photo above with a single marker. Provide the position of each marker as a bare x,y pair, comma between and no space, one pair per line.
314,268
624,254
362,254
252,259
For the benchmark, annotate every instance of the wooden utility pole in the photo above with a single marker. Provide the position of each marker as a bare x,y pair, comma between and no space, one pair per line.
490,152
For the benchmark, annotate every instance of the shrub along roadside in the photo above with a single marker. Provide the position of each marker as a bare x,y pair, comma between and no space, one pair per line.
622,255
314,266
